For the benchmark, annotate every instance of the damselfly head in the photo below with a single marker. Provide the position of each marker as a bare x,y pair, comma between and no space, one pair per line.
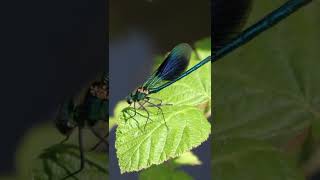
64,121
65,127
99,90
129,99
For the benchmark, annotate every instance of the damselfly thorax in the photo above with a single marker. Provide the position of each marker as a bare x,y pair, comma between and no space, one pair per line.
140,94
140,99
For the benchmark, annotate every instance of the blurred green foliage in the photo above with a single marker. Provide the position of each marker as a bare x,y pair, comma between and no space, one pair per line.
266,100
43,138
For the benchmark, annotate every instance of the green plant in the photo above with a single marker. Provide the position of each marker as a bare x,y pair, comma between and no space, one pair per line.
141,143
51,160
266,103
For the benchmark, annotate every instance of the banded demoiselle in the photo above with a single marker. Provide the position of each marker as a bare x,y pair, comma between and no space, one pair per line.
170,69
85,114
174,66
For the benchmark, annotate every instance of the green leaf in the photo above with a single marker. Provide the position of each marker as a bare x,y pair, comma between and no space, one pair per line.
164,172
203,48
60,160
251,160
36,148
7,177
269,89
119,107
141,143
170,169
187,158
147,138
113,121
40,137
308,147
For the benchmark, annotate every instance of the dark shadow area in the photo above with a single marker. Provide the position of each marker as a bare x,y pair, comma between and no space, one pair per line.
49,50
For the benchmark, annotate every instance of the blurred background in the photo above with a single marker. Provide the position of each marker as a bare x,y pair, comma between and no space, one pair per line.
49,51
140,30
266,95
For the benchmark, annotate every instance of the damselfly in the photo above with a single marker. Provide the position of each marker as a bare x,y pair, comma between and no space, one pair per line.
170,69
85,114
174,66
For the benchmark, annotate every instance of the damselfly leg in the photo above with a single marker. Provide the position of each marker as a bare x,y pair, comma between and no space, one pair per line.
100,142
101,138
82,160
65,139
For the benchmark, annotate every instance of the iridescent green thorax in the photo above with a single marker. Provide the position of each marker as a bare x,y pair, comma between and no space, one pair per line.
95,102
138,95
93,108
